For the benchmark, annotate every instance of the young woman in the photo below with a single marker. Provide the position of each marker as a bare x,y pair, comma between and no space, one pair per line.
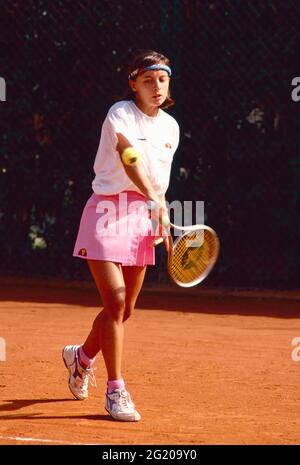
121,193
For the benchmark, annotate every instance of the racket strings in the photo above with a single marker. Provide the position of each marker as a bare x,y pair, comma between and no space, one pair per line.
193,256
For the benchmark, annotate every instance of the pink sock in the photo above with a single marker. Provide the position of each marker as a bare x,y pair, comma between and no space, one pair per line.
84,360
115,384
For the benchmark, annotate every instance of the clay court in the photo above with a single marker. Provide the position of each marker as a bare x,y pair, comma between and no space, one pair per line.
203,367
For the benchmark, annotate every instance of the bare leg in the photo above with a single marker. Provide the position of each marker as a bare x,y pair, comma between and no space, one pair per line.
119,289
108,332
133,278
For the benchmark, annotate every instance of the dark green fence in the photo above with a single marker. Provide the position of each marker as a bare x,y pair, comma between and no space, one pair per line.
233,63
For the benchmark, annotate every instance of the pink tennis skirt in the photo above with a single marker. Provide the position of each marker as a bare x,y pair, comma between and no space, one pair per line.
116,228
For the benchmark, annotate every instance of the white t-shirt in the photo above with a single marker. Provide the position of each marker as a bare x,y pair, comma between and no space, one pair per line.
156,138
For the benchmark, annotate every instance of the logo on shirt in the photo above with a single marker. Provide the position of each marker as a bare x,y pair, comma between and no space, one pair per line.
82,252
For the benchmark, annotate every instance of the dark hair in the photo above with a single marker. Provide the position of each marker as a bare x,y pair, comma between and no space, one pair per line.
142,59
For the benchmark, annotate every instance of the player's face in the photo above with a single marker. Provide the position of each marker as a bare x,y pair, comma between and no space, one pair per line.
151,88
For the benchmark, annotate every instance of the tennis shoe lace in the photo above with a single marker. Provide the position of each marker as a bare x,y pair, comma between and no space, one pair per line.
86,375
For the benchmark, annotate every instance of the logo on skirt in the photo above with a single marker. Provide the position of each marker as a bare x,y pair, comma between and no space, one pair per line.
82,252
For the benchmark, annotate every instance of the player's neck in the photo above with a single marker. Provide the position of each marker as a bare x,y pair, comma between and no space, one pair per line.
147,109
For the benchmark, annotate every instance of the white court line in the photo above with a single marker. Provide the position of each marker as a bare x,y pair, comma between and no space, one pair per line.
49,441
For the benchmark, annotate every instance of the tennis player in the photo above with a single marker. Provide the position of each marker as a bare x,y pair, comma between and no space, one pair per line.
118,261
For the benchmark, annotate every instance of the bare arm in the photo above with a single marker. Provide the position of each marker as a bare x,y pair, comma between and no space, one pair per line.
138,176
137,173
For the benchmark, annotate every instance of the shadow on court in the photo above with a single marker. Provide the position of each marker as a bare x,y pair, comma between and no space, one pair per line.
195,300
40,416
16,404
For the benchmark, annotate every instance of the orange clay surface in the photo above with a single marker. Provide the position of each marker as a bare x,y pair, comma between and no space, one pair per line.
202,368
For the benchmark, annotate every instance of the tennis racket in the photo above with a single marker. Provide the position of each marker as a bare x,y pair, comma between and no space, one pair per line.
192,256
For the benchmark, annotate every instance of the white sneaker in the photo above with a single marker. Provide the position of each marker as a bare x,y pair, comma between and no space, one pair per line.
78,376
120,406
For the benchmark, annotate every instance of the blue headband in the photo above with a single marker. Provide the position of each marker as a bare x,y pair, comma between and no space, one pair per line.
150,68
